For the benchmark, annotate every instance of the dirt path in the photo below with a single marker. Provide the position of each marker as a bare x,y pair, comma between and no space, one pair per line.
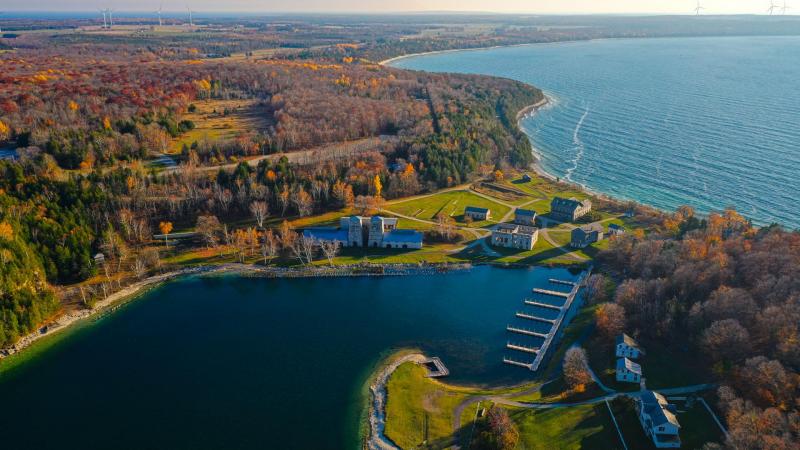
377,410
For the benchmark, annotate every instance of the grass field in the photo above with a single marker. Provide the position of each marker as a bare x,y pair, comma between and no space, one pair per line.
212,124
419,411
451,203
576,427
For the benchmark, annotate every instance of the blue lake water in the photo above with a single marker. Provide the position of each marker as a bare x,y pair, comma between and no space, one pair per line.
242,363
708,122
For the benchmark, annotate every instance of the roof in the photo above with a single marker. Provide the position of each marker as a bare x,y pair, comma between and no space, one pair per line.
629,365
657,407
326,234
403,236
525,212
506,227
627,340
476,209
572,202
614,226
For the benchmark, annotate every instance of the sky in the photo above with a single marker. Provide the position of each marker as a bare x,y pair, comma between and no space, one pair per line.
383,6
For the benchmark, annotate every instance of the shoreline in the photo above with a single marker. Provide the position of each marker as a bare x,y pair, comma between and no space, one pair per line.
133,291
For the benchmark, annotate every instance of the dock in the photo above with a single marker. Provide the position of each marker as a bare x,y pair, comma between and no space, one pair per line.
526,332
522,348
542,305
517,363
439,369
551,293
555,324
522,315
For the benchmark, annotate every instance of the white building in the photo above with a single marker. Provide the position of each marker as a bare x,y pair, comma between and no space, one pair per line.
628,371
626,347
515,236
658,419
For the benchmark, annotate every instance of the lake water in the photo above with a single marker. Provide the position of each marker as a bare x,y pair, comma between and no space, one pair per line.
708,122
243,363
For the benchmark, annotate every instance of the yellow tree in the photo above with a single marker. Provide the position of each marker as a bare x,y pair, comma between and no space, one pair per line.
378,186
5,131
166,228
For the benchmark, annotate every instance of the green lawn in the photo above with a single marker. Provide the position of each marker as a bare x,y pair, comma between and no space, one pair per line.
451,203
577,427
419,410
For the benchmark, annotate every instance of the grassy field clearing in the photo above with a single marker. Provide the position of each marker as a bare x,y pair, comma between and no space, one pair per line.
451,203
211,122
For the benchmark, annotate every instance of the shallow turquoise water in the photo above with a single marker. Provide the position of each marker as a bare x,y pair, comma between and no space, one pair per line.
241,363
709,122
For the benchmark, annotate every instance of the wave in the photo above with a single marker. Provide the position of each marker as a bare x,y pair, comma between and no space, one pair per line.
576,140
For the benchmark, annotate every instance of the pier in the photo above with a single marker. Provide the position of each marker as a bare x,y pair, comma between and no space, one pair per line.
517,363
556,323
522,348
436,367
526,332
542,305
551,293
522,315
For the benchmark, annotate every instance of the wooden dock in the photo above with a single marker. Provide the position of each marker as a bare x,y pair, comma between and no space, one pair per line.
556,323
441,370
522,348
517,363
522,315
542,305
551,293
526,332
548,341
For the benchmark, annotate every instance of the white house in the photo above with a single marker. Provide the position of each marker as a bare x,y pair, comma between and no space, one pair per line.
658,419
627,348
628,371
376,231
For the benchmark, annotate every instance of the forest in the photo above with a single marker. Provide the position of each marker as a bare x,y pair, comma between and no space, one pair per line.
87,120
730,294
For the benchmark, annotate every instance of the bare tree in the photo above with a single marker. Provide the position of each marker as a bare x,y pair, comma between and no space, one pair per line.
330,249
303,249
260,211
208,227
595,289
610,319
139,267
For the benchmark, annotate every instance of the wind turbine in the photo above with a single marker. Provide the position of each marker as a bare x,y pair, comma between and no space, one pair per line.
698,8
110,17
1,28
191,23
105,22
772,7
784,8
160,7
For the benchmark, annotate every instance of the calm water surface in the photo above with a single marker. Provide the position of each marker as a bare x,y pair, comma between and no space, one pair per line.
709,122
240,363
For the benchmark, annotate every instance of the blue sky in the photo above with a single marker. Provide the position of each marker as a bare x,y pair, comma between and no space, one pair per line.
377,6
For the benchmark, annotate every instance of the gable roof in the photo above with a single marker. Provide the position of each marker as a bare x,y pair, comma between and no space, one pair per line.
525,212
630,366
657,407
476,209
627,340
